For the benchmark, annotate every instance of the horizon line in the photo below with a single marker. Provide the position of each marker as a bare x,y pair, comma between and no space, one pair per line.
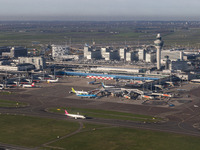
98,18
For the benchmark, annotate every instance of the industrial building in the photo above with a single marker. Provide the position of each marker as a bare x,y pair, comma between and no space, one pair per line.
59,51
122,53
38,62
18,52
105,52
129,56
13,52
142,54
115,69
71,57
4,50
150,57
179,65
106,76
173,55
92,53
86,50
100,53
112,55
20,67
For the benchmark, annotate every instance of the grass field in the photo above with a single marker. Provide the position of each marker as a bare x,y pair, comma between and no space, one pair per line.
188,38
6,93
102,33
32,132
95,113
8,103
127,139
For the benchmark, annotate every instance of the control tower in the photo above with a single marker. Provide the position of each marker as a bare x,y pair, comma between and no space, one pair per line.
158,44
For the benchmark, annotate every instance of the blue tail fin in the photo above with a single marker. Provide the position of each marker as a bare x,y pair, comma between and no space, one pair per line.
102,84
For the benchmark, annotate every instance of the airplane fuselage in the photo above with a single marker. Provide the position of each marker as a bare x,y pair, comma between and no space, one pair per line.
81,92
87,95
76,116
109,86
28,85
52,81
147,96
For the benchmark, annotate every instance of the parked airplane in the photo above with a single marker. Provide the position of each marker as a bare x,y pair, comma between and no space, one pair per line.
167,95
44,78
87,95
92,82
112,90
33,80
52,80
1,87
147,97
107,86
78,92
7,85
170,83
127,96
18,83
28,85
75,116
195,81
162,94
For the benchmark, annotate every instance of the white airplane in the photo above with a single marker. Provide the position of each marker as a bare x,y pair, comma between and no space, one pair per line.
107,86
28,85
195,81
127,96
162,94
8,85
79,92
52,80
75,116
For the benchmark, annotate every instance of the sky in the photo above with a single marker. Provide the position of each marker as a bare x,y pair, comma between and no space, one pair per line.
100,10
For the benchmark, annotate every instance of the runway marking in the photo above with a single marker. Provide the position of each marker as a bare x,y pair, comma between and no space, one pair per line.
150,108
188,107
184,120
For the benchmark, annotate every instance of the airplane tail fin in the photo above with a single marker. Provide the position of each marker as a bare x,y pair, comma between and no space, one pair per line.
66,112
73,90
33,84
102,84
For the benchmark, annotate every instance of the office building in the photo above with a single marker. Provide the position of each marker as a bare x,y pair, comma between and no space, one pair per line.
58,51
38,62
18,52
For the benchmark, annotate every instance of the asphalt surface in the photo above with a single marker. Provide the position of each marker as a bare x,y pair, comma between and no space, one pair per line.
184,119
